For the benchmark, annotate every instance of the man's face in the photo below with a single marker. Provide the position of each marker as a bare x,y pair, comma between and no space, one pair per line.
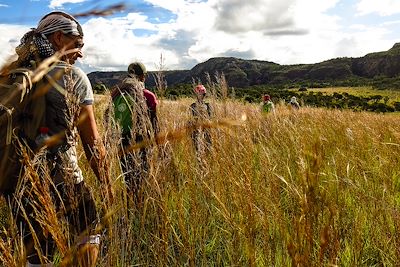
143,77
200,96
72,44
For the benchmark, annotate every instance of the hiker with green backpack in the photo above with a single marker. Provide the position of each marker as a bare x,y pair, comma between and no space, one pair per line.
43,123
267,105
136,116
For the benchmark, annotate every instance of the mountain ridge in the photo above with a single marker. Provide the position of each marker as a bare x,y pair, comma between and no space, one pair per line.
244,73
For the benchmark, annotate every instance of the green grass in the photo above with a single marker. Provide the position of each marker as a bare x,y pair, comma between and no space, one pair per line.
358,91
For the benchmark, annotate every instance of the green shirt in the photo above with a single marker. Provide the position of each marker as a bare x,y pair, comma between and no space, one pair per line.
123,112
268,106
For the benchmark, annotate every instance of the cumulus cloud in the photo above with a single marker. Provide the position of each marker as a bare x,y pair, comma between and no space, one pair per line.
249,54
180,42
11,35
112,44
285,32
59,3
173,6
116,41
235,16
382,7
269,30
390,23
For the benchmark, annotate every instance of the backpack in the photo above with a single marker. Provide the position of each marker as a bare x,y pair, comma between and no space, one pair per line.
123,112
201,110
131,111
20,119
267,106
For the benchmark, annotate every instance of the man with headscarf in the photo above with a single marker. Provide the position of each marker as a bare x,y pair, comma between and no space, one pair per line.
68,102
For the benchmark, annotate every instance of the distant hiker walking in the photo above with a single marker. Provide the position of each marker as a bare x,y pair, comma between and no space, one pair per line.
135,110
65,100
293,103
267,105
201,113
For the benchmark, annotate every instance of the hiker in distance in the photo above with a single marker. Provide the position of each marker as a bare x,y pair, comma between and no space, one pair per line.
293,103
64,97
201,112
267,105
135,110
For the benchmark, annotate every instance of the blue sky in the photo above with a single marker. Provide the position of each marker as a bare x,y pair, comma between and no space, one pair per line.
187,32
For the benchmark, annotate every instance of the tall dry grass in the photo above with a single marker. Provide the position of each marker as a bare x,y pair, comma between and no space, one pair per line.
312,187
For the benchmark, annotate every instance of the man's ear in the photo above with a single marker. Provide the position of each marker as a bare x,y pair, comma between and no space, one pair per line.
57,40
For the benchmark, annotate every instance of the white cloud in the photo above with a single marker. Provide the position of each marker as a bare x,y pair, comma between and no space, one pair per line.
10,38
382,7
285,32
113,43
173,6
3,5
59,3
390,23
253,15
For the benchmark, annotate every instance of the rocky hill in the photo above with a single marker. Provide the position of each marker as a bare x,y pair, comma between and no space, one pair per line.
243,73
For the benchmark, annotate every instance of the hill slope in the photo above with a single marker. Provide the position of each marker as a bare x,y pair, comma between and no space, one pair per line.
244,73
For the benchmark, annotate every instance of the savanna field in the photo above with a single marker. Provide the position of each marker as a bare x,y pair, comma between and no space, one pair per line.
313,187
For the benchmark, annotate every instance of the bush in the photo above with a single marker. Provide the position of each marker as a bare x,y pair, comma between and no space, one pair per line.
99,88
396,106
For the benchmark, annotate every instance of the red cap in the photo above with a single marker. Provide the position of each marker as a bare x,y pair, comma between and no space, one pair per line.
266,97
200,89
44,130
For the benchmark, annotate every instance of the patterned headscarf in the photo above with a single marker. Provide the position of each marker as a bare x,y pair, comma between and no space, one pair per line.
35,45
59,21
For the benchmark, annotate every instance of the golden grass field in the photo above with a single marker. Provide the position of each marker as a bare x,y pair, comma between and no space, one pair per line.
313,187
309,188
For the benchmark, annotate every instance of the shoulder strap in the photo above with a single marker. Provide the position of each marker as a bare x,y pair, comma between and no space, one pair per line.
16,85
26,81
208,109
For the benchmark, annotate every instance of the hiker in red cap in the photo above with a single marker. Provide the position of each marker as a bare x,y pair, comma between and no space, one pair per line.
201,113
267,105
